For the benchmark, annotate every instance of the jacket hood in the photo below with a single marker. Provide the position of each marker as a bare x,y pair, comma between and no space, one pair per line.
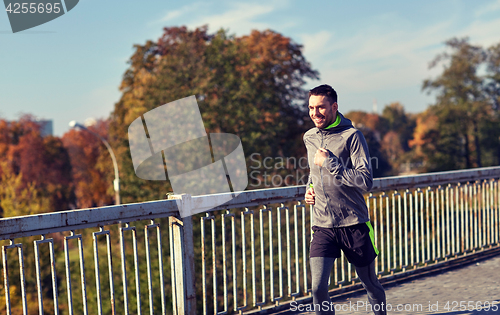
343,125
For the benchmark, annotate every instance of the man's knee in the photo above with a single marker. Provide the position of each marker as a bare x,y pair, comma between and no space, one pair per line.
317,288
372,285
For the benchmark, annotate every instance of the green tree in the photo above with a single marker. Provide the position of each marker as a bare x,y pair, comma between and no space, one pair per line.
493,76
493,90
463,108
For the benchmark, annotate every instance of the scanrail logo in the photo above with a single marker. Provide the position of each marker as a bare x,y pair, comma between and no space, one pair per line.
27,14
170,142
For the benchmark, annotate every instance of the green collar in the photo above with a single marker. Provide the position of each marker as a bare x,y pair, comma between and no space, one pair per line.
335,123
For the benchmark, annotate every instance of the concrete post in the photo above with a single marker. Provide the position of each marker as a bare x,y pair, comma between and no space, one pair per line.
182,259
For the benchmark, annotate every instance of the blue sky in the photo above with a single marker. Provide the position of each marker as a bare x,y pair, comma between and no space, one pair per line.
71,68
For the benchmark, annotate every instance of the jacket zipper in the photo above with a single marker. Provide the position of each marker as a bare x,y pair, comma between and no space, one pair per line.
321,176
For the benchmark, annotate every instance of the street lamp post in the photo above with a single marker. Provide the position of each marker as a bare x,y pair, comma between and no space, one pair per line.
116,182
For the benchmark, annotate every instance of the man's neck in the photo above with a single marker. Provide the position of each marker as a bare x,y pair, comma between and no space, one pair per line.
336,122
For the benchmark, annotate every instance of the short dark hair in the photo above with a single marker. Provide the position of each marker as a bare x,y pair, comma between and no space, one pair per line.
324,90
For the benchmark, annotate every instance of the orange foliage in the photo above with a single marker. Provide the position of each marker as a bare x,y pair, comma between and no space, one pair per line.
42,161
92,169
426,123
364,119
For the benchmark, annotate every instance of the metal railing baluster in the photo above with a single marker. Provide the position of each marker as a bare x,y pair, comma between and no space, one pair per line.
475,217
428,205
433,224
280,251
304,245
19,247
462,219
233,256
442,212
394,231
262,254
124,267
52,272
297,263
224,263
407,196
110,269
82,272
288,252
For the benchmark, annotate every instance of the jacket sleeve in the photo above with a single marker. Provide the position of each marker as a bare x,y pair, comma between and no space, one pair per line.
309,182
360,174
309,178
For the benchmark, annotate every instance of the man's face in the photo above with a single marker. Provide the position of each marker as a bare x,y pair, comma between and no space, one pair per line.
321,111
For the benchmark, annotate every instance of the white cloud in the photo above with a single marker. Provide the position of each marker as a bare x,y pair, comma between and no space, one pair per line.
240,18
172,15
318,44
487,9
481,32
375,60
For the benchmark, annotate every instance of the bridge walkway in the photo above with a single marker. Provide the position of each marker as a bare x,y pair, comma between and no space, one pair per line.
447,292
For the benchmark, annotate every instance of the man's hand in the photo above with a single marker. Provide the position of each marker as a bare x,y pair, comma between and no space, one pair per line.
310,196
320,156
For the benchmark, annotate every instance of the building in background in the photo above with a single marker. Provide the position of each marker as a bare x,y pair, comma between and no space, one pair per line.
46,127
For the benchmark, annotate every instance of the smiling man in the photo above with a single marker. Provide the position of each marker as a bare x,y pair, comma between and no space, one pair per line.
340,172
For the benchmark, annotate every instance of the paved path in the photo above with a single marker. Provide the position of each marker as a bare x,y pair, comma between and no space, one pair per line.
436,294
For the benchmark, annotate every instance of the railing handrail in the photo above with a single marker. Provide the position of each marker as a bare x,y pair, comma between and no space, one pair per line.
39,224
435,178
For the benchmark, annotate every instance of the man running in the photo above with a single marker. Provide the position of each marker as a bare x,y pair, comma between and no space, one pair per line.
340,171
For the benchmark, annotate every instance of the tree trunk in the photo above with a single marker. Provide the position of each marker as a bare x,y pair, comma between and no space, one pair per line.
476,143
498,153
467,151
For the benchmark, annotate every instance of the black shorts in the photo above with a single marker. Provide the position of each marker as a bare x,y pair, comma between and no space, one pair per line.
356,241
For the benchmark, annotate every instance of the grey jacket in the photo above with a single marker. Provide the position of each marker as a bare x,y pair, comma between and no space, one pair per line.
339,183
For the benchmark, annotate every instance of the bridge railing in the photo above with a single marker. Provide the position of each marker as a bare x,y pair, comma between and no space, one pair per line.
255,250
246,255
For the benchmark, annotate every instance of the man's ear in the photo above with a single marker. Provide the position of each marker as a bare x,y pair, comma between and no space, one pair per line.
335,106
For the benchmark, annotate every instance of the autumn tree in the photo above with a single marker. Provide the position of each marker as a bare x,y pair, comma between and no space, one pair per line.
373,121
250,86
399,126
399,121
92,168
20,196
433,146
42,161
